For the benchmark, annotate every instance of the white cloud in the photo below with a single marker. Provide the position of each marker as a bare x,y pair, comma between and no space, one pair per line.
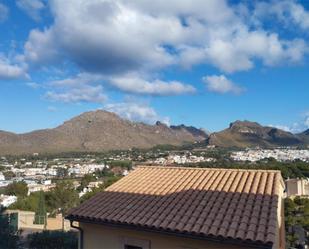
86,93
33,85
220,84
9,71
120,37
286,11
41,48
82,88
282,127
129,83
138,112
76,81
4,12
133,83
307,122
296,127
31,7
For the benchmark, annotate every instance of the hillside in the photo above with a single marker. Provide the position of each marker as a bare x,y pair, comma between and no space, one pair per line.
304,136
243,134
96,131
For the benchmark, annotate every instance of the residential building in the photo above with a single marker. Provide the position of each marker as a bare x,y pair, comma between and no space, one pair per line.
7,200
297,187
179,207
2,177
40,187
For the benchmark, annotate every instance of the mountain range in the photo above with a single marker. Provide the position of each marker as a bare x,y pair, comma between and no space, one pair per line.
243,134
97,131
102,131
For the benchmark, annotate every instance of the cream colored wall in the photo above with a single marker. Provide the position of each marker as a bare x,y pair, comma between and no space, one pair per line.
26,219
103,237
280,239
57,223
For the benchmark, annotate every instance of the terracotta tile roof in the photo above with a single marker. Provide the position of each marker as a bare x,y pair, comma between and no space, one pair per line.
233,205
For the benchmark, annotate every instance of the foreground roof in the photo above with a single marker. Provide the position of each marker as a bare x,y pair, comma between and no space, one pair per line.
238,206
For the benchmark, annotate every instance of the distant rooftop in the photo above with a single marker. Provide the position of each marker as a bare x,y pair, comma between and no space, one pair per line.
238,206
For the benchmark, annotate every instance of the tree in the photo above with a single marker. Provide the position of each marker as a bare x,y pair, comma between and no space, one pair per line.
8,174
62,172
290,221
107,182
29,203
289,206
111,180
63,197
53,239
298,201
85,181
19,189
9,237
92,193
126,164
40,214
306,209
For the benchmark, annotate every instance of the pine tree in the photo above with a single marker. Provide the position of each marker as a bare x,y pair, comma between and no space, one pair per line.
40,214
9,236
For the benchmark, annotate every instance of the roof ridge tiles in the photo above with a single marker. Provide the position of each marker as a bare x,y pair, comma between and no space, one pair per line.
200,168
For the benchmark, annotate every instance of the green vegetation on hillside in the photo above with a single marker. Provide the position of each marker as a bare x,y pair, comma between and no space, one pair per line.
60,199
296,221
19,189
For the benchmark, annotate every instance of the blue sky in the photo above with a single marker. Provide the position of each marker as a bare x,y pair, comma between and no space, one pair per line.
204,62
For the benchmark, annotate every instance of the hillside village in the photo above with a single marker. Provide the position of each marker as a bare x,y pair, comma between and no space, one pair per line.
40,173
90,173
281,155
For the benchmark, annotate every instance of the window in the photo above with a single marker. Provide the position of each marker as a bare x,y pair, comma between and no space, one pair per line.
135,243
132,247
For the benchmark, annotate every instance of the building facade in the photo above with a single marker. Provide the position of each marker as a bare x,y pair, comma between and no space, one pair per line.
297,187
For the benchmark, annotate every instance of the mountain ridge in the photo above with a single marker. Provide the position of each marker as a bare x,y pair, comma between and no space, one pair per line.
95,131
102,131
244,134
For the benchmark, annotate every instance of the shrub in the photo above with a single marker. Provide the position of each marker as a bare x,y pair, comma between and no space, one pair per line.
53,239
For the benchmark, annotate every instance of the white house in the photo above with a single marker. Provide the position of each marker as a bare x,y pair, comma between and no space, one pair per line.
2,178
7,200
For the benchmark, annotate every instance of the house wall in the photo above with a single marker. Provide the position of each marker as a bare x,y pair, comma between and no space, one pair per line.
57,223
26,219
280,239
103,237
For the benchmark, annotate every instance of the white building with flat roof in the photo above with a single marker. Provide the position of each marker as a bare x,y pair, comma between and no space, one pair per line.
7,200
2,177
297,187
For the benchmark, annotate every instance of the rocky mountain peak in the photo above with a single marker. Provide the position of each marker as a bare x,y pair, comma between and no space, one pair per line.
95,131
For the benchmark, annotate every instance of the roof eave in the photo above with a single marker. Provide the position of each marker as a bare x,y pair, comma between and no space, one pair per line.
173,233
